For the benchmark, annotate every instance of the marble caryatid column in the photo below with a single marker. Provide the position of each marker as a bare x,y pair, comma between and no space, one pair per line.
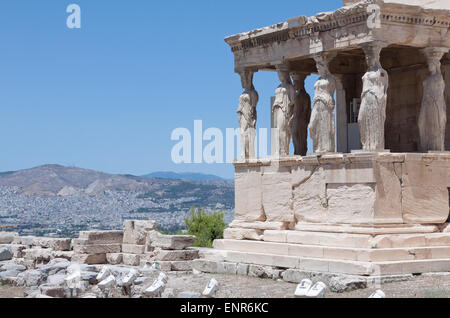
322,126
247,115
433,112
283,110
341,114
301,115
372,113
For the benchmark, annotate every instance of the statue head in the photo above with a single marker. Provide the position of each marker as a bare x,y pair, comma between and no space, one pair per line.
372,61
299,80
322,67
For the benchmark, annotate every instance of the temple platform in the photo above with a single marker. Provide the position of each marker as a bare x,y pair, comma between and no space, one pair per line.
356,214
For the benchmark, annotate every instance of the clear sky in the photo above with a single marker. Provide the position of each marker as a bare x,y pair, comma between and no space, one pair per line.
107,96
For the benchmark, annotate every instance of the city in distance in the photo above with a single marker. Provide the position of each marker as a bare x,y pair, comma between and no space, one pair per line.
54,200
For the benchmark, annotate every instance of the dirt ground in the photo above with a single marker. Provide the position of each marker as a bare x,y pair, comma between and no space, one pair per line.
248,287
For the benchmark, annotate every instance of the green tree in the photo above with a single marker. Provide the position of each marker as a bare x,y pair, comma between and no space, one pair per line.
206,227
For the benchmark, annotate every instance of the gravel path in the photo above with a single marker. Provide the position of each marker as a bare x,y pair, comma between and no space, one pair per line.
248,287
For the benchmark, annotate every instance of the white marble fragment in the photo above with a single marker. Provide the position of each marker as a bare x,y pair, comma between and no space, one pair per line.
211,288
303,288
104,273
130,277
378,294
107,283
317,291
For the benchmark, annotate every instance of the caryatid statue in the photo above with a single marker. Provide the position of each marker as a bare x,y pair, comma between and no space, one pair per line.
372,112
283,110
433,114
302,115
247,115
322,126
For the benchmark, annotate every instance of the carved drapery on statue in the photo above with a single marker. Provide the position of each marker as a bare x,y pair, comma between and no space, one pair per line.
301,115
283,109
372,113
322,126
433,112
247,115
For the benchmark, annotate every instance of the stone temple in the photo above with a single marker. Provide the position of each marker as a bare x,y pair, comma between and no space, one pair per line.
372,197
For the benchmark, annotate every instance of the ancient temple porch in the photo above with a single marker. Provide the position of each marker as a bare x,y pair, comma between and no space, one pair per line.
376,201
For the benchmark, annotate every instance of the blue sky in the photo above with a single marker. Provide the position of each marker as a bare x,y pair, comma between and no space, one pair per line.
107,96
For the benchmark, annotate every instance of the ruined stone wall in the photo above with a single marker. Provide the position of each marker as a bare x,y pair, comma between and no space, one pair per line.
404,100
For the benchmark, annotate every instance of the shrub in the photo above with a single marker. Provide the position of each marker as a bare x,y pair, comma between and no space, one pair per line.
206,227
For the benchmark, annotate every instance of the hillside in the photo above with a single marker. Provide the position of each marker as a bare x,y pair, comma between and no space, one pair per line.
58,200
184,176
52,180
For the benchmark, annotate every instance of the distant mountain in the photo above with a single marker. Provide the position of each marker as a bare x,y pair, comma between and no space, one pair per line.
56,180
183,176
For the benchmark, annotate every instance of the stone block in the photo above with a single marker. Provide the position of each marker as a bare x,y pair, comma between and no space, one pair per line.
328,239
341,284
114,258
425,204
97,249
56,244
243,234
63,254
8,237
350,268
171,242
38,255
53,291
309,194
275,236
89,259
306,251
388,204
131,259
446,228
248,204
242,269
252,247
351,203
133,249
24,240
437,239
16,249
398,241
263,259
227,268
135,231
205,266
259,225
277,195
6,254
259,271
181,266
102,237
174,255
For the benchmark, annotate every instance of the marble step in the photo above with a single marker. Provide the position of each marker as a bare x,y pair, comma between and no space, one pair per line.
337,253
334,266
357,240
